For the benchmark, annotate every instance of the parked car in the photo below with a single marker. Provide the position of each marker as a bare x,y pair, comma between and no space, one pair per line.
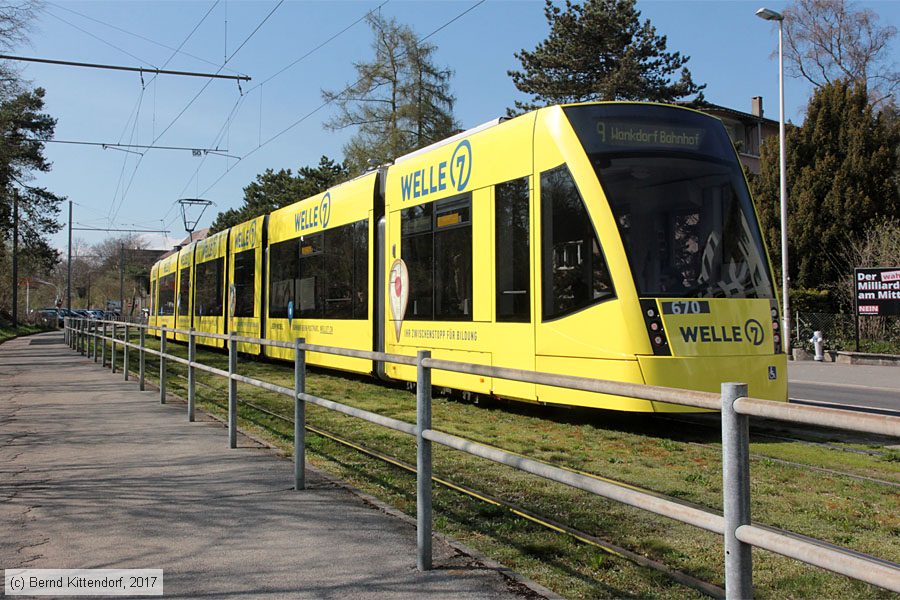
48,316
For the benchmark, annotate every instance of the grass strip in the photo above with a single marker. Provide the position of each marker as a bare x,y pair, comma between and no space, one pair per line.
679,462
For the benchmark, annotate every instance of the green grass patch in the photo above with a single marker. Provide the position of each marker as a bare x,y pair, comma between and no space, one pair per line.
8,332
679,461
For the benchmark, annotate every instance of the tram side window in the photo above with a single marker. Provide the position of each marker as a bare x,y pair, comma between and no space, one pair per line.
574,271
244,283
153,297
513,254
437,248
167,295
208,286
312,277
346,281
417,250
283,269
184,292
360,237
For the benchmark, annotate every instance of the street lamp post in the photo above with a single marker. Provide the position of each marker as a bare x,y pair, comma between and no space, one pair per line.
771,15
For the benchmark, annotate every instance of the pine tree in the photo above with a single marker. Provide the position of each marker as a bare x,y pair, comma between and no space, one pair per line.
840,168
24,128
599,50
401,101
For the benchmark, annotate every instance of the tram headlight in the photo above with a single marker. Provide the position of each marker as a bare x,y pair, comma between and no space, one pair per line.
776,327
655,330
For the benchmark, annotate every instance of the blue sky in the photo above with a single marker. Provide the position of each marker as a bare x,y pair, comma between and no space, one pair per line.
730,49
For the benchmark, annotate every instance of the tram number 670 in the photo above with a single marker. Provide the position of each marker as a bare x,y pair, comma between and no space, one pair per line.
685,307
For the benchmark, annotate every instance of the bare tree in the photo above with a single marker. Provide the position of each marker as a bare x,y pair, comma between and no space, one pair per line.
827,40
16,19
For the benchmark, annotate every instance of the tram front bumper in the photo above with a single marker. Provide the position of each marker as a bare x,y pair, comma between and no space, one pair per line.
766,376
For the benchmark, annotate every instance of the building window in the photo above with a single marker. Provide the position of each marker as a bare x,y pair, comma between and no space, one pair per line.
167,295
513,252
208,297
283,258
574,270
437,248
245,283
184,292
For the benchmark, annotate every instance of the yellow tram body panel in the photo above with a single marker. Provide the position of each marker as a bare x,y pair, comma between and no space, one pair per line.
463,171
210,285
314,301
184,304
154,282
245,282
166,292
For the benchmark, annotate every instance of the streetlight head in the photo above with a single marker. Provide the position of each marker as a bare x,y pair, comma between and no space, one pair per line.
769,15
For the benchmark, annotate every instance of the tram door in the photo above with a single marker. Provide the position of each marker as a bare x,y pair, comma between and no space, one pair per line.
513,284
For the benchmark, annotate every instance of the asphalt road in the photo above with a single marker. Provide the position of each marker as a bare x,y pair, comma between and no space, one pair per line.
871,388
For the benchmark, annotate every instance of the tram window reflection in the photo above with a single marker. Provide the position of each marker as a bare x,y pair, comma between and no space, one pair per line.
167,295
283,259
208,288
575,274
245,283
437,248
184,292
513,251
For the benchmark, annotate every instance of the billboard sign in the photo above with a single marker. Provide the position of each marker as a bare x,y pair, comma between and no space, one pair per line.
877,291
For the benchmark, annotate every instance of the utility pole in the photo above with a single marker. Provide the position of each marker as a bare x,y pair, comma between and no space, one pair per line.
121,280
15,261
69,276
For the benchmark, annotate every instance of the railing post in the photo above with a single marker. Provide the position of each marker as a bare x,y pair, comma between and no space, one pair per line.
192,356
68,338
125,352
141,360
81,336
95,328
162,365
423,462
232,392
103,346
112,350
299,415
736,492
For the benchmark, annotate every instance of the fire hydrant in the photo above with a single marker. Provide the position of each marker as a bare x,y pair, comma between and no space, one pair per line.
818,343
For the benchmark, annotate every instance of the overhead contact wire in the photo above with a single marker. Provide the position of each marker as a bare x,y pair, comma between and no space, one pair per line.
327,102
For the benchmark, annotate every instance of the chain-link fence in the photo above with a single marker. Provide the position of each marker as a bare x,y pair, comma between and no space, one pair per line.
876,334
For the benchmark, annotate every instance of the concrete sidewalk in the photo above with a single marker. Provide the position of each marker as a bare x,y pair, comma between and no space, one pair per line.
95,474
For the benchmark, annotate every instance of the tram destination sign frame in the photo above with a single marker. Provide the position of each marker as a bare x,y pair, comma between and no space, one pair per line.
876,291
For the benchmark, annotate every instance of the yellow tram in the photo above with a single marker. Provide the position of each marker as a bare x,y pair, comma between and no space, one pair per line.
608,240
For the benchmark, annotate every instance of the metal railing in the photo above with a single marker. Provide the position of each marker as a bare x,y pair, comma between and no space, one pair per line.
740,534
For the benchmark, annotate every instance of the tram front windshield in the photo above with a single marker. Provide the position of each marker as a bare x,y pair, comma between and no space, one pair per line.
679,198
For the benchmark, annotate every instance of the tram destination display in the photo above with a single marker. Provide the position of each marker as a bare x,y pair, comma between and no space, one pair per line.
877,291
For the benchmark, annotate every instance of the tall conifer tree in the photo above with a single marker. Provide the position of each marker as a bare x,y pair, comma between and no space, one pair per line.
840,167
600,50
